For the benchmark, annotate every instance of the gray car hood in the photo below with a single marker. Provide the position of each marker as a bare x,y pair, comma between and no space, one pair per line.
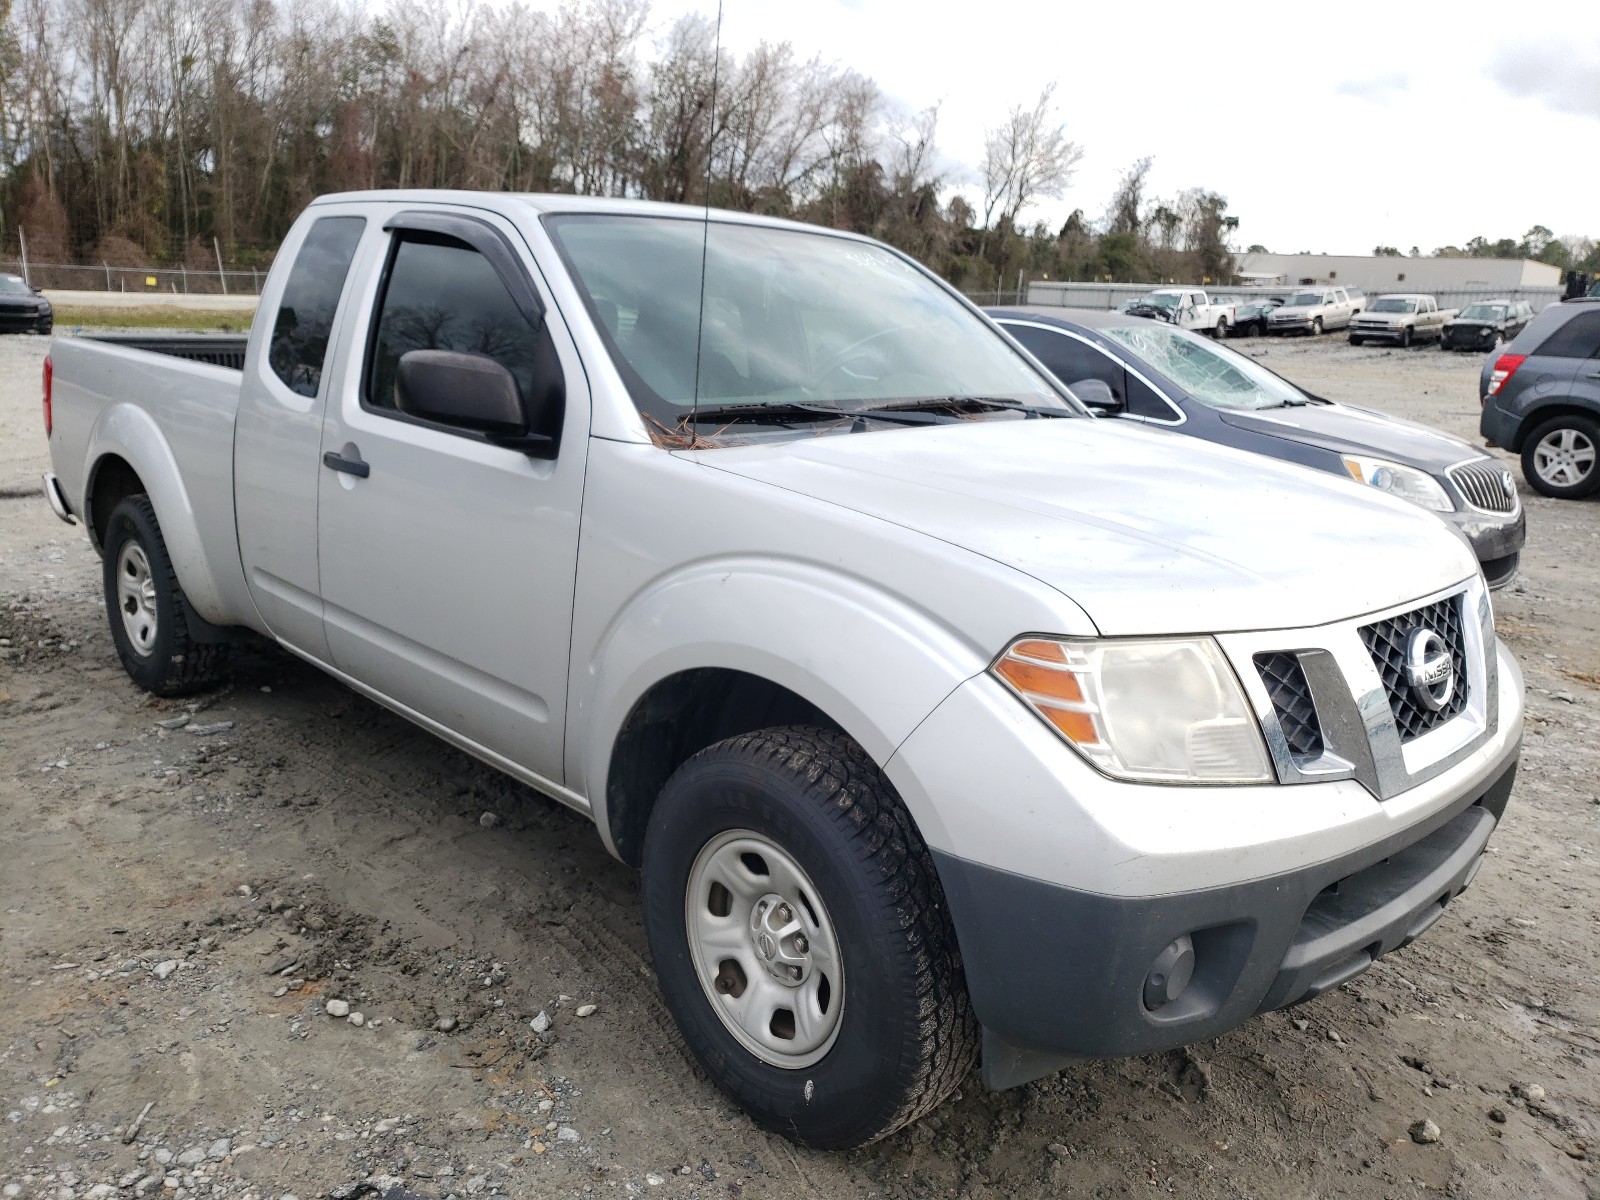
1148,532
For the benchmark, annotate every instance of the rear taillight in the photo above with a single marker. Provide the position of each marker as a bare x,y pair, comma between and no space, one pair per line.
1504,368
49,381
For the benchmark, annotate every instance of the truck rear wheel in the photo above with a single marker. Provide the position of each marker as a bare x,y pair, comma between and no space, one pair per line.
801,938
147,609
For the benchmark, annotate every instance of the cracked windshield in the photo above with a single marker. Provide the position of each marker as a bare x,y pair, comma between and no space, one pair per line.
1208,372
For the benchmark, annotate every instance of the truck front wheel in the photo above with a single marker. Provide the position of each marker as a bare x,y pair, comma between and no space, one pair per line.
801,938
147,609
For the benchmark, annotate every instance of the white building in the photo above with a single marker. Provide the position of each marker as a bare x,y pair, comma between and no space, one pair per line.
1375,274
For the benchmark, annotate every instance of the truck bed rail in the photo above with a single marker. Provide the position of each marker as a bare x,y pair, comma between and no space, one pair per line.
219,350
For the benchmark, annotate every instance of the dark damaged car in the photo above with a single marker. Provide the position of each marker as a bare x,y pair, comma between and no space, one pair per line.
1136,370
23,309
1484,325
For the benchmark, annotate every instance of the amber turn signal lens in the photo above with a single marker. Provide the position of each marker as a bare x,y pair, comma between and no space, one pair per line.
1051,683
1077,726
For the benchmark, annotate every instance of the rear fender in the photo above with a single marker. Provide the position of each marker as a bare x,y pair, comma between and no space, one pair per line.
129,432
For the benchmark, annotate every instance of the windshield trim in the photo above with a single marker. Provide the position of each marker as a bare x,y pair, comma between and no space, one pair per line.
662,435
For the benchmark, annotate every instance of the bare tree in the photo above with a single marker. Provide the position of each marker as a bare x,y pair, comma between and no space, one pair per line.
1026,157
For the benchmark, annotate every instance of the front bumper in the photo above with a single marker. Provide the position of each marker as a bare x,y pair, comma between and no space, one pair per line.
1295,325
1377,332
1065,886
1497,540
1057,974
1472,337
15,320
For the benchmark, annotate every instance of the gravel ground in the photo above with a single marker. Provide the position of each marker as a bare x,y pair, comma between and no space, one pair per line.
201,898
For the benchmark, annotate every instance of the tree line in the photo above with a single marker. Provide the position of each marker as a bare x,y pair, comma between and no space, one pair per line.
134,132
1569,252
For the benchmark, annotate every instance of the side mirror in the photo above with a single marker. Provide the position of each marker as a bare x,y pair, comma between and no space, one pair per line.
466,391
1097,396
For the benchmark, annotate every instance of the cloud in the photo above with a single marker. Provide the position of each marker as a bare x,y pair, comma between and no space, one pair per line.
1566,81
1379,89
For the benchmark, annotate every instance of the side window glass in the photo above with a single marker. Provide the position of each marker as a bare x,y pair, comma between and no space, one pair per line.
1578,338
1143,401
305,313
441,294
1069,360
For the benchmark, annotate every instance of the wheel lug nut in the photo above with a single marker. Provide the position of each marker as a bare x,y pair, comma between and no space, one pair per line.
801,945
784,914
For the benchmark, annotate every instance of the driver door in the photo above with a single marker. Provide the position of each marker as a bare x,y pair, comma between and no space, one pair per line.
447,562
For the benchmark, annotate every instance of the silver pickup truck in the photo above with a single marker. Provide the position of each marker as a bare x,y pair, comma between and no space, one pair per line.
1402,318
939,715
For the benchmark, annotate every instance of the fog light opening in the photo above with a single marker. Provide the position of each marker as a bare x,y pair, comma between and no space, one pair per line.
1169,974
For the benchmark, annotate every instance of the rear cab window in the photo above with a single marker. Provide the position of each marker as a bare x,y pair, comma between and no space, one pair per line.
304,320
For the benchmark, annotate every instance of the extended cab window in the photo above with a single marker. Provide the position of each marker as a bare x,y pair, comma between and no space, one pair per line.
305,313
1578,338
441,294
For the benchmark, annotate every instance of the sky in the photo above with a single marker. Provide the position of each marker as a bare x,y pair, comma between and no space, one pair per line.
1428,124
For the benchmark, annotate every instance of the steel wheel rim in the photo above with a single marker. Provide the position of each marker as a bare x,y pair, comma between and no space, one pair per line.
136,598
1564,457
762,945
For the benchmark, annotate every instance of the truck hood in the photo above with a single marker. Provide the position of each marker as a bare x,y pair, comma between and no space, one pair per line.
1349,429
1147,531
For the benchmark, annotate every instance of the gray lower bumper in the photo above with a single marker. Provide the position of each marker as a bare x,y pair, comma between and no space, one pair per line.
1057,974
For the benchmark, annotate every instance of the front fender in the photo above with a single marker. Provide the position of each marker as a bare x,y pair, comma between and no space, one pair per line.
129,432
872,661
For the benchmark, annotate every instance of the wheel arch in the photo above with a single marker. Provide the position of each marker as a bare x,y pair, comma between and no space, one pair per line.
128,454
1535,417
715,652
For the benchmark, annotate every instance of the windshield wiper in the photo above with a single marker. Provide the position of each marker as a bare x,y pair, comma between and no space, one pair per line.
790,409
1030,410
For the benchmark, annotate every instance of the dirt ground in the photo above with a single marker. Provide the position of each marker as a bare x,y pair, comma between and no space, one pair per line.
184,886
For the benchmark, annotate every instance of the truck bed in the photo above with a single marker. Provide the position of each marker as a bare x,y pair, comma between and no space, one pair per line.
219,350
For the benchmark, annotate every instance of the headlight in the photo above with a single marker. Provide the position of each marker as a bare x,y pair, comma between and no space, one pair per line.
1406,482
1156,711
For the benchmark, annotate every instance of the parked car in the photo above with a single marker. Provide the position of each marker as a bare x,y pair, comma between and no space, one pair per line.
928,704
1484,325
1250,314
1541,399
1402,318
1160,376
1314,311
23,308
1187,308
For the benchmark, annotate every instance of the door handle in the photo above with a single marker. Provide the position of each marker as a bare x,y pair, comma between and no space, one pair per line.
350,466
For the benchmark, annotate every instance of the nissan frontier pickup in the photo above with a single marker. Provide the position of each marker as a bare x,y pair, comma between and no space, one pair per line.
944,721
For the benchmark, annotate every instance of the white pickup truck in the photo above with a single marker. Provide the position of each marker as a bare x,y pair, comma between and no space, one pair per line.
1402,318
938,714
1187,308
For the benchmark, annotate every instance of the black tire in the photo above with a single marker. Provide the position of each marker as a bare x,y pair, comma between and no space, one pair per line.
1405,339
1316,326
1586,435
1221,330
906,1035
1354,340
173,663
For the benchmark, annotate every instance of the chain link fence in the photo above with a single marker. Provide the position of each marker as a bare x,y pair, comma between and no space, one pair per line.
181,280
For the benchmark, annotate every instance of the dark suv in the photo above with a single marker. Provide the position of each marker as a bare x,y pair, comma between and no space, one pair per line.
1541,399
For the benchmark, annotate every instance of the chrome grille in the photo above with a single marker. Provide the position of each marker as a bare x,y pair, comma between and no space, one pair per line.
1386,641
1486,485
1290,694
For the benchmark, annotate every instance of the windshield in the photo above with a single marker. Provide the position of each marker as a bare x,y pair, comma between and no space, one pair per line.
12,285
1306,299
1159,300
790,317
1392,305
1212,374
1484,312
